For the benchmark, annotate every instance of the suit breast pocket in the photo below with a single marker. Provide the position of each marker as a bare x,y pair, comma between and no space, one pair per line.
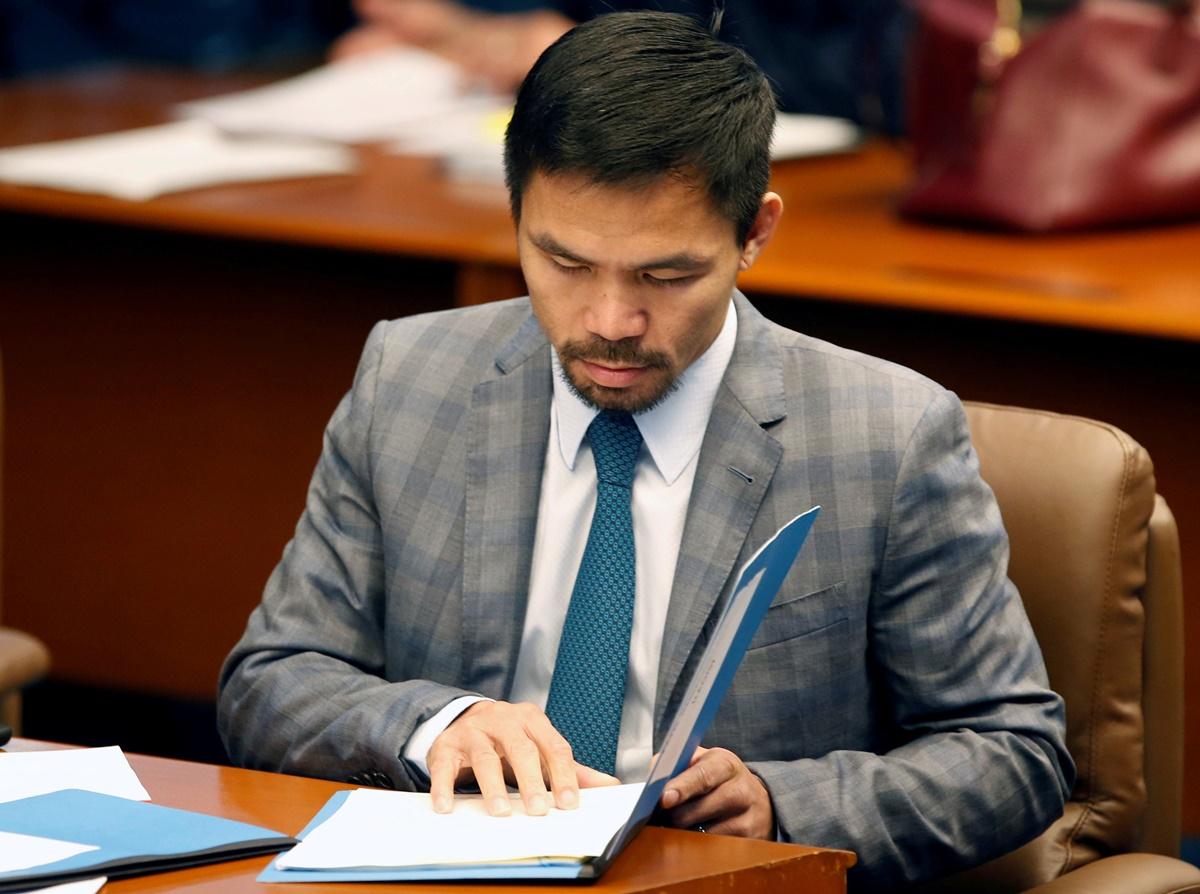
802,681
803,616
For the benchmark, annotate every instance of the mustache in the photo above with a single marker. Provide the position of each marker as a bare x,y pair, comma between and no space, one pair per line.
624,352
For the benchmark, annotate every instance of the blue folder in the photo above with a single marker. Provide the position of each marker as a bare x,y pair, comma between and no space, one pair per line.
132,837
762,575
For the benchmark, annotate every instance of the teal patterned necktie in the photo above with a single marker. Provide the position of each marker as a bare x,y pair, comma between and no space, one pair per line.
587,690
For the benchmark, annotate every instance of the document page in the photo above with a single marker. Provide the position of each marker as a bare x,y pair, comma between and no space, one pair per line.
27,851
375,97
87,886
801,136
24,774
400,829
151,161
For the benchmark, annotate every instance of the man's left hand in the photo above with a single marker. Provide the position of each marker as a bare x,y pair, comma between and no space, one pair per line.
719,794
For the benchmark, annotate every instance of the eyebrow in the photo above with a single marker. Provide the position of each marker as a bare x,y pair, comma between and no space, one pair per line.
680,261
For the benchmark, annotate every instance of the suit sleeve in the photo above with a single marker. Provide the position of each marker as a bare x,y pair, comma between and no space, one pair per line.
304,691
979,764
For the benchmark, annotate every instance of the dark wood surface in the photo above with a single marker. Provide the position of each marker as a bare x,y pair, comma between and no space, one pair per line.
658,860
170,365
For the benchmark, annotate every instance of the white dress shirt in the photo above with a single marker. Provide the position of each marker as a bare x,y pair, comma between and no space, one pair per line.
672,433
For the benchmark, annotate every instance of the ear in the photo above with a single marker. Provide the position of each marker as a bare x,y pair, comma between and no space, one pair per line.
763,229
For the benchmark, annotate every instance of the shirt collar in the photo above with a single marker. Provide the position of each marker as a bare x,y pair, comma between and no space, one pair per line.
673,430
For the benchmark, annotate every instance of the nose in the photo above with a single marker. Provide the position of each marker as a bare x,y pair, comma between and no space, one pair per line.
614,316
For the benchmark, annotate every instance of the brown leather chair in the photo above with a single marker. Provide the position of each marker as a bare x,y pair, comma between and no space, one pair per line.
23,659
1095,554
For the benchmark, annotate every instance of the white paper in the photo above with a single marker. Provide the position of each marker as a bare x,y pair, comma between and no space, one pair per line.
798,136
150,161
400,829
472,146
24,774
28,851
86,886
361,99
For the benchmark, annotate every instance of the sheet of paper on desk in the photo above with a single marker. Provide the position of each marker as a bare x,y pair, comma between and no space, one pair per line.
471,141
377,97
399,829
801,136
24,774
150,161
27,851
87,886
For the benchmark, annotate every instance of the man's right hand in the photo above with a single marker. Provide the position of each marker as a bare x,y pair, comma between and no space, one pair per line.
499,743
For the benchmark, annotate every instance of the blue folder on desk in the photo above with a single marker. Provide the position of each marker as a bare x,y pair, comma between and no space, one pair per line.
756,587
131,837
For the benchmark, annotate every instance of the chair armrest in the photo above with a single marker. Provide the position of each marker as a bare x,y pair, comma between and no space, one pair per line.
1127,874
23,659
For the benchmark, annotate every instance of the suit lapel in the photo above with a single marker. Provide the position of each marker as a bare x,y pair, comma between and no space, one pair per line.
508,430
737,461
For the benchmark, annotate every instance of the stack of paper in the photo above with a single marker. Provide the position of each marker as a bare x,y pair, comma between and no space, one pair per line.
366,834
148,162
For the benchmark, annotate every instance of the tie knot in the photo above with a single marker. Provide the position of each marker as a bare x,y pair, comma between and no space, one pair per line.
615,441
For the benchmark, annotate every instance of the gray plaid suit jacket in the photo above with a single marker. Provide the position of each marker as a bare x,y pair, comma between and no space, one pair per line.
894,700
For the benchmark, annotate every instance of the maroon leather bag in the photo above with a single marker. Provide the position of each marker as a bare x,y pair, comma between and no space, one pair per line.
1095,121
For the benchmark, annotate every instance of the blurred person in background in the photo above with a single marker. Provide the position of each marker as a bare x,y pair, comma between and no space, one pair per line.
39,37
826,57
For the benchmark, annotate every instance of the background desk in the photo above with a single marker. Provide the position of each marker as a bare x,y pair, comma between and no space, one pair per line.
659,860
170,365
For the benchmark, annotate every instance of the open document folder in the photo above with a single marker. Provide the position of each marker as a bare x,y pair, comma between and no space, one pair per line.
371,835
71,834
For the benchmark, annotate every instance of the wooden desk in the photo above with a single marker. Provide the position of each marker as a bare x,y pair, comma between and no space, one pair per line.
170,364
839,239
658,860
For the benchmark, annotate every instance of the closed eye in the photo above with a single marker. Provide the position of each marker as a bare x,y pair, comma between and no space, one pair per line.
667,282
568,268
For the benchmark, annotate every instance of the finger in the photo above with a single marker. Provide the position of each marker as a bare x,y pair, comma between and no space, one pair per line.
710,770
525,762
558,761
444,765
739,824
706,810
740,807
697,754
489,776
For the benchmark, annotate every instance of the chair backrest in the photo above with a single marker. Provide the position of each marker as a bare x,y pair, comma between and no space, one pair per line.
1095,555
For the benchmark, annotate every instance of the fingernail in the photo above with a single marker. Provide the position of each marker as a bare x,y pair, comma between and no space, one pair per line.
501,807
538,805
670,798
441,805
568,799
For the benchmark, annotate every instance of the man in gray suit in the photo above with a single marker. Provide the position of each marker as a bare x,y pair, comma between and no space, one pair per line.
527,516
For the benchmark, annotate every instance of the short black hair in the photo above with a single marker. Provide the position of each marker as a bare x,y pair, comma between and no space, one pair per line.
627,98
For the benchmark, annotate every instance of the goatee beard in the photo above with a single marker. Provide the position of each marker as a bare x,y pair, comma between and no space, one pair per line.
625,353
